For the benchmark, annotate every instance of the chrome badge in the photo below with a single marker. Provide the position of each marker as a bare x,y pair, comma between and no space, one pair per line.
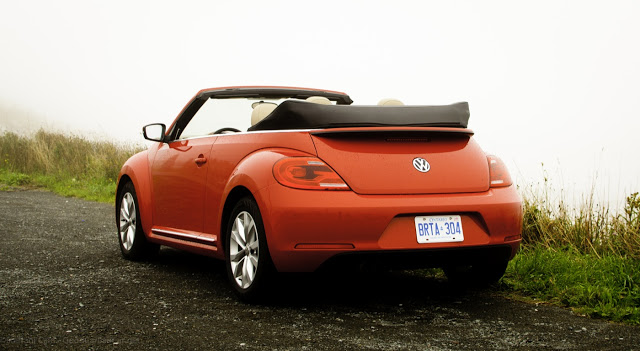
421,164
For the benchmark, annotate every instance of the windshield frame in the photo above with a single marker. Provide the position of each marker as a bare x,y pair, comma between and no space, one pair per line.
249,92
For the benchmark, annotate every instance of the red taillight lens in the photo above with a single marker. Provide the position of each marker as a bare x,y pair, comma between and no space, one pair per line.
498,172
307,173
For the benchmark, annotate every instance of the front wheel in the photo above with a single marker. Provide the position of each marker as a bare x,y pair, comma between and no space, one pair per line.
247,256
133,243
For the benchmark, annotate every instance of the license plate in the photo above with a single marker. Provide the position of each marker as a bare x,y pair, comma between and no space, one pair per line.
439,229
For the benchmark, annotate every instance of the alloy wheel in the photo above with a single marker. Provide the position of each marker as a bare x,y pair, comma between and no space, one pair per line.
127,221
244,249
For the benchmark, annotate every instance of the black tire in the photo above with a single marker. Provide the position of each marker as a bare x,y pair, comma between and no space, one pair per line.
133,243
249,268
476,275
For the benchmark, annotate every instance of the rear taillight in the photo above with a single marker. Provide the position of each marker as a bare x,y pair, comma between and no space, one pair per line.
498,172
307,173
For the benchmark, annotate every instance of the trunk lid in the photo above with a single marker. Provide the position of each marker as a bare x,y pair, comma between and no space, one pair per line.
381,160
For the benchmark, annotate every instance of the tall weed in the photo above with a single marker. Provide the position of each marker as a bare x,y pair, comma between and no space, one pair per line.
586,258
68,164
589,229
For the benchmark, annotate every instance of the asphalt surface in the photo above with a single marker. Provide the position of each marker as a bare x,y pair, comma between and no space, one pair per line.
64,285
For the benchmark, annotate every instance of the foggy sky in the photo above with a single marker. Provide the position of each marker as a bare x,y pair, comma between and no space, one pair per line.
553,82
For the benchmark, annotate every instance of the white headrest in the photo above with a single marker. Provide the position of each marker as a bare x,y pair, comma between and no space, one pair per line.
319,100
390,102
261,110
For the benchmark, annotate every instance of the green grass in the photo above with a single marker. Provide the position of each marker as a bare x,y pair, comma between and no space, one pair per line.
606,287
66,164
9,179
585,258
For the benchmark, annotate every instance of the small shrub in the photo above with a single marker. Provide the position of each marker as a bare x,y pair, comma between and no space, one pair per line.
14,179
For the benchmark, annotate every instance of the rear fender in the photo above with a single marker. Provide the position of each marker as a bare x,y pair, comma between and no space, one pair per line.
255,173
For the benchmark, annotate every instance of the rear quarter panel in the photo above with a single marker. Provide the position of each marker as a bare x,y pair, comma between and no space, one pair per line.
246,160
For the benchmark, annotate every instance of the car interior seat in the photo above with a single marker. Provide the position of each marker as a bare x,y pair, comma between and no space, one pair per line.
319,100
390,102
261,110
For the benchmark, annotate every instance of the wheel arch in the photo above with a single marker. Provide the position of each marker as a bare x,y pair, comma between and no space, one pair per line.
232,199
136,171
124,179
252,176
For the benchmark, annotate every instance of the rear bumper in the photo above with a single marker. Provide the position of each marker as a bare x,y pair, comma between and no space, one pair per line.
306,229
423,258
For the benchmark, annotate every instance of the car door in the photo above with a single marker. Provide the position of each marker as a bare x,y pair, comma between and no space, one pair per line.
179,174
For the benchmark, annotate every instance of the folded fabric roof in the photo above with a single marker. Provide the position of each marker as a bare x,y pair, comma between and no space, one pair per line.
293,114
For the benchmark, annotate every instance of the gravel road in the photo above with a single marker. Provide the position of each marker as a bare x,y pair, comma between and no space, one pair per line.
64,285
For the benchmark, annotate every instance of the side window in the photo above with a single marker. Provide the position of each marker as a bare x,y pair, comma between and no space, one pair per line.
216,114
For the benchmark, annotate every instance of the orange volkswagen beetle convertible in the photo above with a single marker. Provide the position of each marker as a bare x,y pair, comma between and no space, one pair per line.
279,179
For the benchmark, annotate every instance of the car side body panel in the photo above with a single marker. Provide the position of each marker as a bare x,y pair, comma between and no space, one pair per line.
179,176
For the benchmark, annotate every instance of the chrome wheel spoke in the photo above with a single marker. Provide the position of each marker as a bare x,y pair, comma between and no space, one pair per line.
237,256
254,263
251,234
253,245
130,235
127,221
132,215
248,272
124,207
243,249
241,222
131,208
237,238
124,225
237,273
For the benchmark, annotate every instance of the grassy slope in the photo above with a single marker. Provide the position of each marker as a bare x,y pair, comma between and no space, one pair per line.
586,259
66,164
582,258
606,286
88,189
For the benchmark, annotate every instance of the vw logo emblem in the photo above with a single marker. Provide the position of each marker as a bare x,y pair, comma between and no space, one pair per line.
421,164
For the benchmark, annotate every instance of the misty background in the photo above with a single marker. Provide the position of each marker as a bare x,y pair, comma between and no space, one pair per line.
553,83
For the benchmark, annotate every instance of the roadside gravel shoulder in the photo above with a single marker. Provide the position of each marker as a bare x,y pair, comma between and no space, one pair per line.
64,285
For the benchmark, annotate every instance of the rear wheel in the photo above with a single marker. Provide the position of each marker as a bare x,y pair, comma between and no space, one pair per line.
476,275
133,243
247,255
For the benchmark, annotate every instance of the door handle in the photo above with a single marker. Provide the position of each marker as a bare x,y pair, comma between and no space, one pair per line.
201,160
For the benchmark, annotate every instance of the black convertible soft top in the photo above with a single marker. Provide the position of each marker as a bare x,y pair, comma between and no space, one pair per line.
293,114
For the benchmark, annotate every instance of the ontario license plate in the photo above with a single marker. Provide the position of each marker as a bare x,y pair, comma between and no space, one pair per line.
439,229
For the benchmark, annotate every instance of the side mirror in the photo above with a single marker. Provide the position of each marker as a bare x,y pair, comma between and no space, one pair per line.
154,132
